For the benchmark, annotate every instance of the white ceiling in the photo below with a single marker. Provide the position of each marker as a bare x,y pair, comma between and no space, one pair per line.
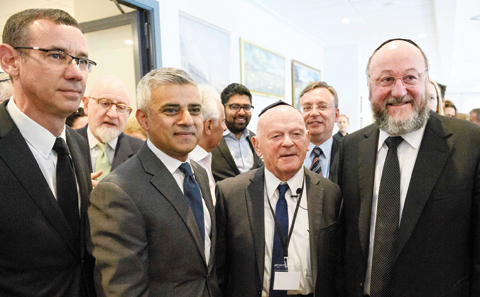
450,39
451,42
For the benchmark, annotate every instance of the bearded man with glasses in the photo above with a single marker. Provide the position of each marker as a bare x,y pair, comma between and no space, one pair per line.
235,153
45,180
108,108
411,188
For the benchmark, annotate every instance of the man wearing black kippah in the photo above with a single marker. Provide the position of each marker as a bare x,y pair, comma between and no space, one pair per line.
277,225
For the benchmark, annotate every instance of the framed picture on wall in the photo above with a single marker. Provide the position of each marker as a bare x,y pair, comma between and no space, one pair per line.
262,71
204,51
302,75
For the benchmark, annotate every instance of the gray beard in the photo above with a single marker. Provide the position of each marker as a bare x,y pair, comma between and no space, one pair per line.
107,134
399,127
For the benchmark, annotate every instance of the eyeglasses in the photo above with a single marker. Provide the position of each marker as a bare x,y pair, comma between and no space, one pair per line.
408,80
309,108
236,107
107,104
59,58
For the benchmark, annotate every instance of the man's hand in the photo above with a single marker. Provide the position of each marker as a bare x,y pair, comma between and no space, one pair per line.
94,175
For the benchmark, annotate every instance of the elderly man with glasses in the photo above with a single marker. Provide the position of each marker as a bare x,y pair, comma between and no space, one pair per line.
107,108
235,153
45,179
318,104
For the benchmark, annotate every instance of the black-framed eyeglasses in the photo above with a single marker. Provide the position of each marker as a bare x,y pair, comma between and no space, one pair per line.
107,104
236,107
59,58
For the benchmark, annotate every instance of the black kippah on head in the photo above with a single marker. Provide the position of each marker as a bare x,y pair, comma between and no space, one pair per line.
275,104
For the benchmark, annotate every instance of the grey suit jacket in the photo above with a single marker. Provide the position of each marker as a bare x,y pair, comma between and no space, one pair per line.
241,233
126,147
223,164
438,251
145,237
40,256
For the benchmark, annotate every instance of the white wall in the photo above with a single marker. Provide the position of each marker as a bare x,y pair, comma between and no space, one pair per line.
246,19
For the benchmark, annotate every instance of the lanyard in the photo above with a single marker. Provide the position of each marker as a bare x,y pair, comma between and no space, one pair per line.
285,243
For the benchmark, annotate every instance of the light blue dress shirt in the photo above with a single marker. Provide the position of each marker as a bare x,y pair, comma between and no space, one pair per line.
240,150
324,158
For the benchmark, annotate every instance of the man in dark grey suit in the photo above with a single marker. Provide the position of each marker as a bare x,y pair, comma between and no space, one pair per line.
318,104
411,188
235,153
152,222
108,108
248,239
44,178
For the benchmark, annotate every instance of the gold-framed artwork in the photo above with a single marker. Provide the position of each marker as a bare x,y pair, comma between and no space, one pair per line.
262,70
302,75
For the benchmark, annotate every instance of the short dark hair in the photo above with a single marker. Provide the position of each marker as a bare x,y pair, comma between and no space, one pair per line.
16,31
476,111
235,89
316,85
74,116
391,40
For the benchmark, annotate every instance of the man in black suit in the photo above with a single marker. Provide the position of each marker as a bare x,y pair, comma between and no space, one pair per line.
411,188
249,243
318,104
235,153
45,181
152,221
109,146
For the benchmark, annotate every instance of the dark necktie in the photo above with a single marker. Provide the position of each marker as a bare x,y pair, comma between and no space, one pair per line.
315,167
387,224
191,190
67,194
281,213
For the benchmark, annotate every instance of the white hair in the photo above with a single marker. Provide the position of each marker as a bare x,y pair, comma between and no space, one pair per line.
209,102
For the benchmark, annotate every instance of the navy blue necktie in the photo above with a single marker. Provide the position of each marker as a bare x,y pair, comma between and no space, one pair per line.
315,167
67,195
191,190
386,226
281,213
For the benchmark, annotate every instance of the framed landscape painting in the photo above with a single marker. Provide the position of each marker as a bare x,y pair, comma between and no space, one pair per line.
262,71
302,75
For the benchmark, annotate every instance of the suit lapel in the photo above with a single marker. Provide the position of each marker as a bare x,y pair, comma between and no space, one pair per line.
228,156
165,183
367,155
315,198
432,156
14,151
254,197
202,180
123,151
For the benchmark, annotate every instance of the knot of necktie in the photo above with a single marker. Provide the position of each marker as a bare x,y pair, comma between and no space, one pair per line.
393,142
102,146
60,146
186,169
282,189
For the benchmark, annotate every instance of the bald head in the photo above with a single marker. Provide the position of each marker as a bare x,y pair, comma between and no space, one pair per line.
282,141
106,124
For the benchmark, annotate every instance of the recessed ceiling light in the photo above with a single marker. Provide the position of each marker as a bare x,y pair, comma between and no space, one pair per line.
129,41
475,18
391,3
345,20
422,35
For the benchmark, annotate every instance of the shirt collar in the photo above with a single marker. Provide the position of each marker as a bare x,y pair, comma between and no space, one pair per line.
93,141
198,153
230,134
272,182
37,136
172,164
326,147
414,139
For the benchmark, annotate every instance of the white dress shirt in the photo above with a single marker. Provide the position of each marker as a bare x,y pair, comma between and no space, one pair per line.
299,247
203,158
407,153
324,158
95,151
172,165
41,142
240,150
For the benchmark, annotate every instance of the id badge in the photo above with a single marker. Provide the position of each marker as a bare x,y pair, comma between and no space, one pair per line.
287,278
